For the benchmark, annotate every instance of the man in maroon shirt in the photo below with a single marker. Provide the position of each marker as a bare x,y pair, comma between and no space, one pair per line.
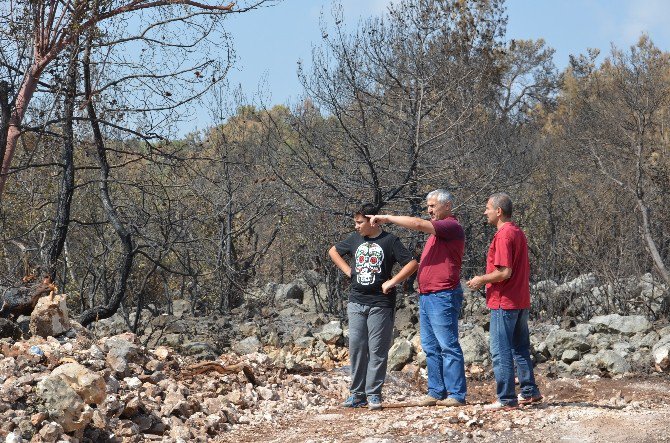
508,298
441,297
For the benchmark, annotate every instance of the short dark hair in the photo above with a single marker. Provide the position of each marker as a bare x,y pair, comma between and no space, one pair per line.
366,209
504,202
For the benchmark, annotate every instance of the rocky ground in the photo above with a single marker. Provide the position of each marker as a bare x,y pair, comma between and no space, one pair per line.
80,389
279,374
574,410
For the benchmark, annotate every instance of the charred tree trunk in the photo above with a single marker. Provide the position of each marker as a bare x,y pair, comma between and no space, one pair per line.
66,188
5,115
128,252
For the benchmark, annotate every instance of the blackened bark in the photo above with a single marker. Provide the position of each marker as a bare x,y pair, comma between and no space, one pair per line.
66,188
5,115
105,311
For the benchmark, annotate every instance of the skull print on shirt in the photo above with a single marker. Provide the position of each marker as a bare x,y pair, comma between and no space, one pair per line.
369,257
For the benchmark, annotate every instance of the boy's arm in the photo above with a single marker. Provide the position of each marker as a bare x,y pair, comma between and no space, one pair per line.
413,223
407,270
339,261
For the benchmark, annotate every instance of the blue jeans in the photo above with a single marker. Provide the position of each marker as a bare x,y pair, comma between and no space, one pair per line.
510,344
438,314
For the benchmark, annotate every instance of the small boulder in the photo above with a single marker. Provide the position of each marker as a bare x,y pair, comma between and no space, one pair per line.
247,346
559,341
662,358
304,342
627,325
399,355
569,355
611,362
90,386
63,404
475,346
331,333
122,350
50,316
50,432
290,291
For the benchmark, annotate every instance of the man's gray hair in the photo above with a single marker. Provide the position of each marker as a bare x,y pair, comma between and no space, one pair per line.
502,201
442,195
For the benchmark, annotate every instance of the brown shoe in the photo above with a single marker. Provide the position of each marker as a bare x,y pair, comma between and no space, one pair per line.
427,400
450,402
528,400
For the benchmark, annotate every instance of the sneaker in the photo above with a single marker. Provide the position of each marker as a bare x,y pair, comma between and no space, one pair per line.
427,400
355,401
450,402
497,406
528,400
374,402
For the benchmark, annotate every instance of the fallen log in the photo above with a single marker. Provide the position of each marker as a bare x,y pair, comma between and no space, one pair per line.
208,366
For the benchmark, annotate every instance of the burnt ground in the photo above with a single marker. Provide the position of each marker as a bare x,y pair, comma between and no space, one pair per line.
587,409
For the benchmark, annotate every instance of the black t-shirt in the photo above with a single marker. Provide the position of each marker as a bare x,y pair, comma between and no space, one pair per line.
372,264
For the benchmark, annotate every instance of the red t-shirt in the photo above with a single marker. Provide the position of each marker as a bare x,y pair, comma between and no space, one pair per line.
440,266
509,248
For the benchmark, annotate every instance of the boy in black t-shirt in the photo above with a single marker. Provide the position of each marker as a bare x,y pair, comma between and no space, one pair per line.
371,307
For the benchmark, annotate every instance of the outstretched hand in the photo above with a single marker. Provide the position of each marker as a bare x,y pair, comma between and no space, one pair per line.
376,220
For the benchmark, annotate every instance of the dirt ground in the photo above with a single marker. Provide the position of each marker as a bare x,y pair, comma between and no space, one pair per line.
590,409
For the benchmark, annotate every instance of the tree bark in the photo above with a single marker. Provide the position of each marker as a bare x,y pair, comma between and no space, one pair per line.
66,188
128,253
5,115
26,92
651,244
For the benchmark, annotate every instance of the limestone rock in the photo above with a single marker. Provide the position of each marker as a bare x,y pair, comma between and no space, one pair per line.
50,432
290,291
475,346
405,319
247,346
63,404
331,333
304,342
400,354
580,285
612,362
122,350
662,358
89,385
559,341
628,325
14,437
50,316
569,355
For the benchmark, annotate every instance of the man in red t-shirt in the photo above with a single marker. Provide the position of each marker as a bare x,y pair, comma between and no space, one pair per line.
441,297
508,298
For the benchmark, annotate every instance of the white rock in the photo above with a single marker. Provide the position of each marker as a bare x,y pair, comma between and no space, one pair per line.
50,316
662,358
14,437
89,385
132,382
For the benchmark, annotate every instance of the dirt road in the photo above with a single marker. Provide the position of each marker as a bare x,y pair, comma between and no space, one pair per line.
590,409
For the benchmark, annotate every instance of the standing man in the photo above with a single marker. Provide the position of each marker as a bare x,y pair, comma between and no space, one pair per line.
508,298
371,307
441,297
